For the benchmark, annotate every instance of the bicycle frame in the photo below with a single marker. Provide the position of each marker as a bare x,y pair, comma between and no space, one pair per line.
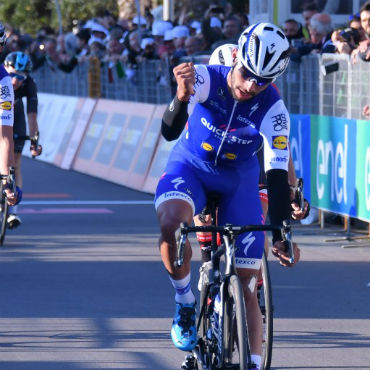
218,281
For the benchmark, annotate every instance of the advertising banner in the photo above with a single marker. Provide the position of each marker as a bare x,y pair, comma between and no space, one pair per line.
55,115
333,164
300,137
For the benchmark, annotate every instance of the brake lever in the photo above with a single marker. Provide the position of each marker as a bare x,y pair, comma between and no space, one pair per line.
181,236
287,240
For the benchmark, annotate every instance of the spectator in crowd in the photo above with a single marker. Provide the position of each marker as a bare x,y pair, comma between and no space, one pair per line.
294,34
193,45
320,29
211,25
83,37
308,11
231,31
159,29
179,34
345,40
363,50
138,21
293,30
167,48
195,27
148,49
106,19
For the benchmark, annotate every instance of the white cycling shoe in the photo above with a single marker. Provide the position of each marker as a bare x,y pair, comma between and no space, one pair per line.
13,221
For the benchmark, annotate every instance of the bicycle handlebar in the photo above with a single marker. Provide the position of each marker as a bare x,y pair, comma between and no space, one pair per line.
232,231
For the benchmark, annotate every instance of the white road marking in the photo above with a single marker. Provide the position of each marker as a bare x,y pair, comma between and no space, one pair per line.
87,202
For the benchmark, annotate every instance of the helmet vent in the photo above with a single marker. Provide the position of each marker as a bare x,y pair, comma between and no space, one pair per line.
221,57
268,57
257,41
281,34
268,28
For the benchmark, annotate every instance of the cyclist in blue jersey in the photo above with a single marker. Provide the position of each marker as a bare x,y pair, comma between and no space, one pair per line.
19,65
225,55
6,123
231,112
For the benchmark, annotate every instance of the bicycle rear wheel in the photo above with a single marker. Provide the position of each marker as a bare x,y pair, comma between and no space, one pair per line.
266,306
3,216
235,335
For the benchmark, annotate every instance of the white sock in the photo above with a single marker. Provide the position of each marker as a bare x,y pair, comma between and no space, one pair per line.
13,209
256,359
184,293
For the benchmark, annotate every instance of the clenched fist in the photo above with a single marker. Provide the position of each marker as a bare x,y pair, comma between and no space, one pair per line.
185,78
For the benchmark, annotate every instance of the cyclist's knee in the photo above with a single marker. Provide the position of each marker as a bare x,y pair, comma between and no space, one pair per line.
249,280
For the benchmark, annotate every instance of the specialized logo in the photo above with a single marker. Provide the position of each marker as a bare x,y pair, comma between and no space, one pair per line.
253,109
172,106
4,92
231,156
177,182
280,142
280,122
207,147
6,105
221,93
247,242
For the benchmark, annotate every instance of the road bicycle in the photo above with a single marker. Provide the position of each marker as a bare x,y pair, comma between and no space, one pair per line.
4,202
222,328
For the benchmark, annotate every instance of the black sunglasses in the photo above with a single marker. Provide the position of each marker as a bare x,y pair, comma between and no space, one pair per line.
248,75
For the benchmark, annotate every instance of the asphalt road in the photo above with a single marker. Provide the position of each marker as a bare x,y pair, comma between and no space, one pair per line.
82,286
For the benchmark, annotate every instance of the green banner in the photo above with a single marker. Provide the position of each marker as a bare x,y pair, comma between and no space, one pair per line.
363,169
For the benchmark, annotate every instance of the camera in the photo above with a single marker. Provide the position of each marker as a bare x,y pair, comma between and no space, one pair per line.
217,10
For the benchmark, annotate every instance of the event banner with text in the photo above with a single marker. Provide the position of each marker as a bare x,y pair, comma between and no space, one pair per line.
333,157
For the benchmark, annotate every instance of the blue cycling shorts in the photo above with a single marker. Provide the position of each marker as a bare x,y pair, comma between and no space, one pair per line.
190,179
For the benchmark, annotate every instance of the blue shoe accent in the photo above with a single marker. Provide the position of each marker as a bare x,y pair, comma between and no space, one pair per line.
183,331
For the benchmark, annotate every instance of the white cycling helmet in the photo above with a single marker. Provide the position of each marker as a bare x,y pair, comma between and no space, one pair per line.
264,50
223,55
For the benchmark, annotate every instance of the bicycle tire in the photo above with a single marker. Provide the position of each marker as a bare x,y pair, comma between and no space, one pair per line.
3,216
235,331
267,310
203,352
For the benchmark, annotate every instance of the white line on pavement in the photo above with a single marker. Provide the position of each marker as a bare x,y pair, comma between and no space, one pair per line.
87,202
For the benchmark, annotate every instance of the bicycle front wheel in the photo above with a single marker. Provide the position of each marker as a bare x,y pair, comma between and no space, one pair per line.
3,216
265,303
236,348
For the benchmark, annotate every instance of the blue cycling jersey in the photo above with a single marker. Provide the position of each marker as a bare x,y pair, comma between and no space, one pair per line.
229,133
